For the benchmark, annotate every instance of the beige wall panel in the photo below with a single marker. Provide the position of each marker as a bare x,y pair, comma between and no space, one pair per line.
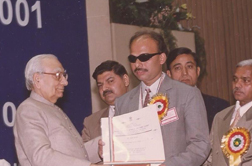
99,42
185,39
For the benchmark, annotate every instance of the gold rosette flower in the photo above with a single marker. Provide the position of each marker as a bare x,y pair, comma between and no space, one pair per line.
162,103
235,143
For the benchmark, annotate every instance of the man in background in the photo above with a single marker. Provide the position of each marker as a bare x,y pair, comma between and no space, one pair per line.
232,118
185,130
112,81
183,65
44,135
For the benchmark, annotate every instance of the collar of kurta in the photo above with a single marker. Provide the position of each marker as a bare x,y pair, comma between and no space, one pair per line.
37,97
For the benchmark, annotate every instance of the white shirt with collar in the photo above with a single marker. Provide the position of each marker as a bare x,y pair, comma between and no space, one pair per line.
111,111
243,109
154,89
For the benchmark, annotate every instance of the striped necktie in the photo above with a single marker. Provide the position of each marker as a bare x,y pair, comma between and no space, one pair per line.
147,97
236,119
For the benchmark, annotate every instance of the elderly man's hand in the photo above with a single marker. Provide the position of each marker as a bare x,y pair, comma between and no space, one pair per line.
100,147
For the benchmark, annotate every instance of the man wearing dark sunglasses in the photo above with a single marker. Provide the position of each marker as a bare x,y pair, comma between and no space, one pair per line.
184,126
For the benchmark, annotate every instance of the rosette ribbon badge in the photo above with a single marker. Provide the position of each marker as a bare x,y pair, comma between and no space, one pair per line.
235,143
162,103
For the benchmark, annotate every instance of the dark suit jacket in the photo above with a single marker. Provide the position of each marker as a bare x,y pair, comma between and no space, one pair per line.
92,124
213,106
221,125
186,140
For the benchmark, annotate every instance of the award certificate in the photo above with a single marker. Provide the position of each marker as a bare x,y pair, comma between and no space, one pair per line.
133,138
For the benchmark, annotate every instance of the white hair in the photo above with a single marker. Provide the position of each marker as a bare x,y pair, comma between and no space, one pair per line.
34,65
247,62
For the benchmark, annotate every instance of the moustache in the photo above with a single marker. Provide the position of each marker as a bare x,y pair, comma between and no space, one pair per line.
140,69
236,89
106,91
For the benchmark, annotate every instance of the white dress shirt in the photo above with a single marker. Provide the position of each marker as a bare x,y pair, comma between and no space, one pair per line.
154,90
111,110
243,109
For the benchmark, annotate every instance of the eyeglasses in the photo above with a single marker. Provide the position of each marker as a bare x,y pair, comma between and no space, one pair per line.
142,57
58,75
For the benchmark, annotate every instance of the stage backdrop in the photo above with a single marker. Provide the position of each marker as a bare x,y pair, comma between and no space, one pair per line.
31,27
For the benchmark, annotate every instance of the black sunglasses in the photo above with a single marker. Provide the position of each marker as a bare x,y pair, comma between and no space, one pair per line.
142,57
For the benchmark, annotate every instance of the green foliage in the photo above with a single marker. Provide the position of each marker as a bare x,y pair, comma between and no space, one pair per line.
201,53
133,13
161,14
171,40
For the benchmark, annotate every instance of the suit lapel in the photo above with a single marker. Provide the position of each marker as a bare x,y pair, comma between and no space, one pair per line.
165,85
225,125
246,120
134,99
105,113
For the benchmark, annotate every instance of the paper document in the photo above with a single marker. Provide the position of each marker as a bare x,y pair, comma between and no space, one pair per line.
133,138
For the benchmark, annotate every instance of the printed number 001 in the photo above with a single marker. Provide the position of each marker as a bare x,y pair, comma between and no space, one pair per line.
22,22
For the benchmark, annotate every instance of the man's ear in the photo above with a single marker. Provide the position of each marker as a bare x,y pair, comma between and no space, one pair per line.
198,71
36,80
168,72
162,58
126,80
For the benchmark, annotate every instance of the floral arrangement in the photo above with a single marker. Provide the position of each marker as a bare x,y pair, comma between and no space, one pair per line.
163,14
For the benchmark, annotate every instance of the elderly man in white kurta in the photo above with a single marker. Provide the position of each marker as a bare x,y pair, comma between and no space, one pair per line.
44,135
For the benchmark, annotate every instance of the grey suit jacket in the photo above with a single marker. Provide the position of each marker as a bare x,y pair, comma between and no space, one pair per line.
221,125
45,136
92,125
186,141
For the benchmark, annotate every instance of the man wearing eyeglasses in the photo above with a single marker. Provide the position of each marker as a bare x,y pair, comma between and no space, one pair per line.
44,135
184,127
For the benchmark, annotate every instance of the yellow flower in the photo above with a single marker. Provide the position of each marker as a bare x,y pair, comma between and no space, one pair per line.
184,6
189,16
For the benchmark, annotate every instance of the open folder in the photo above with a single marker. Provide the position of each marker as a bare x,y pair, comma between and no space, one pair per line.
133,138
